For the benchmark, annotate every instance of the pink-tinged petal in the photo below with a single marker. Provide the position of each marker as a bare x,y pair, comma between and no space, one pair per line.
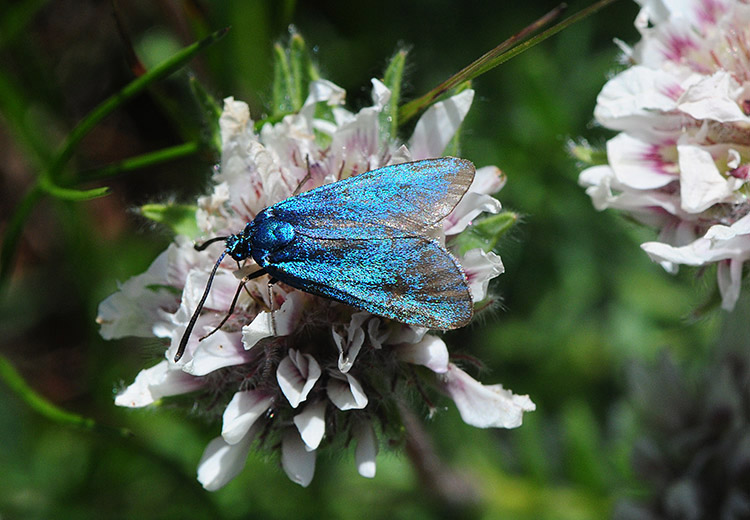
350,346
242,412
715,98
161,380
311,424
221,461
480,267
298,463
639,164
635,97
438,125
218,350
367,449
489,180
701,184
346,393
485,406
133,309
297,374
431,352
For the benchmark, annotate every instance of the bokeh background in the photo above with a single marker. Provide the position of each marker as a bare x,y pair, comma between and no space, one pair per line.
581,303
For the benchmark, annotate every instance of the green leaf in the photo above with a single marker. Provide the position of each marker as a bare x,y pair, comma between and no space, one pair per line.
293,70
392,79
486,232
180,218
282,80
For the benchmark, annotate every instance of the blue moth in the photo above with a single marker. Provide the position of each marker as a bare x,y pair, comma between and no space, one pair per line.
366,241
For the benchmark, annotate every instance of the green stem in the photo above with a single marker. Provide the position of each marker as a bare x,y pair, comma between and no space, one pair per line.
39,404
500,54
141,161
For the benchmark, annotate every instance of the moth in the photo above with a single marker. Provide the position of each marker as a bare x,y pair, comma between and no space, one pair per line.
366,241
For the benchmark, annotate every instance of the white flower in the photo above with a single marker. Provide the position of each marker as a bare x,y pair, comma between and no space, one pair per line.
682,160
290,364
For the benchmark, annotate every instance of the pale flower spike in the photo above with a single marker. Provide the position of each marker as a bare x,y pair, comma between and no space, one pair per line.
305,374
682,160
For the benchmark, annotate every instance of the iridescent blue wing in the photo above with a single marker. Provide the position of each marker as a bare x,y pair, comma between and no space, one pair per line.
410,279
398,200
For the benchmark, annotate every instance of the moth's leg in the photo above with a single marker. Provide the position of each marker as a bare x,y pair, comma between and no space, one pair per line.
241,285
271,304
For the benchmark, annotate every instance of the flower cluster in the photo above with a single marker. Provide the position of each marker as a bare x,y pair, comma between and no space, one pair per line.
681,161
291,370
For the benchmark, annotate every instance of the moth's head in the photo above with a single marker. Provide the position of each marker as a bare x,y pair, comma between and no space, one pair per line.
238,246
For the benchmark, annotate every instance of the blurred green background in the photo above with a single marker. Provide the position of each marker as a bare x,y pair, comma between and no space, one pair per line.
580,301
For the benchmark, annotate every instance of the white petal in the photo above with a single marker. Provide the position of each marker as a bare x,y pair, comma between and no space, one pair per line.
242,412
480,267
297,374
349,348
714,98
221,462
346,394
286,318
218,350
367,449
133,309
430,352
234,120
311,424
298,463
438,125
469,208
701,184
161,380
323,90
485,406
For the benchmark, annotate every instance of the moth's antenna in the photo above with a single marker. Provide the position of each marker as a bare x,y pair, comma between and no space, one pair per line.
194,318
204,245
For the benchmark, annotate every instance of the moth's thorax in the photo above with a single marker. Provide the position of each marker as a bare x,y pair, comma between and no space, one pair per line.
270,233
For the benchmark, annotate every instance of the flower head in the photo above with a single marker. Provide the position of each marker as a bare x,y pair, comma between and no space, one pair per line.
292,369
681,160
